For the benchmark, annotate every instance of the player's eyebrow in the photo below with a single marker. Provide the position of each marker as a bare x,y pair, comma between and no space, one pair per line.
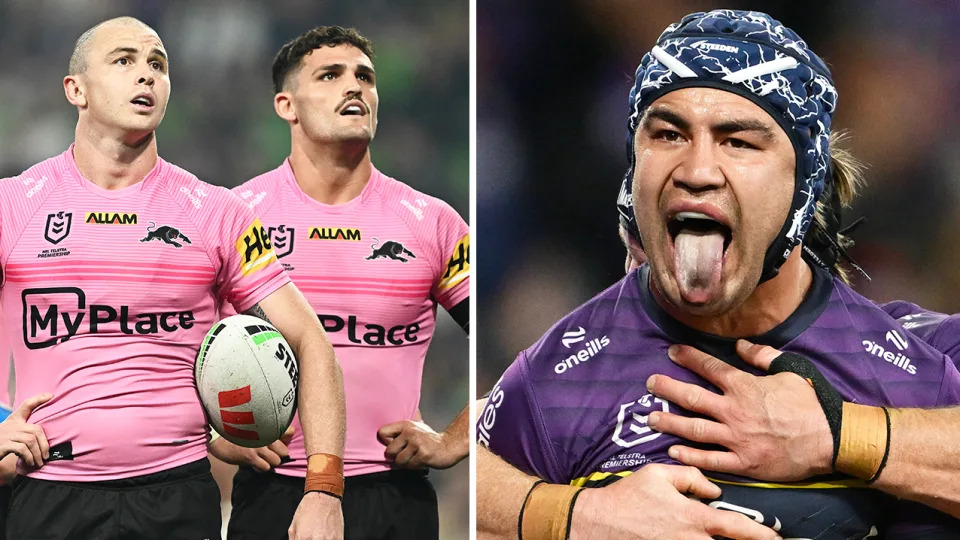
730,127
726,127
366,69
667,116
158,52
330,67
134,50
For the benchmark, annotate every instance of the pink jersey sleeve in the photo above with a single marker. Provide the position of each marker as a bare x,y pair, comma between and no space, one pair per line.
452,283
249,271
6,399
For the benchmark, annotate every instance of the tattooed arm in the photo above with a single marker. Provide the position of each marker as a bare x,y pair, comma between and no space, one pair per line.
321,399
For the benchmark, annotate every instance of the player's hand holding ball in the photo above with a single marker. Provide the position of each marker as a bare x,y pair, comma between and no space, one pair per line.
415,445
262,459
24,439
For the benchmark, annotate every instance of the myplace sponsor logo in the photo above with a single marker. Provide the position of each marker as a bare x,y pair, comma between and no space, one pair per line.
896,358
592,348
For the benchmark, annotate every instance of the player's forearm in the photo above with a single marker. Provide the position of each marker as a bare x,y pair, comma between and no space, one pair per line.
322,406
458,433
501,489
924,460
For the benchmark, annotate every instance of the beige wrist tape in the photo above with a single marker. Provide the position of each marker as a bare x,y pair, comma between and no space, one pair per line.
864,441
324,474
546,512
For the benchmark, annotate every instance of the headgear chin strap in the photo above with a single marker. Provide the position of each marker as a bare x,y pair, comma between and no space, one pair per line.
752,55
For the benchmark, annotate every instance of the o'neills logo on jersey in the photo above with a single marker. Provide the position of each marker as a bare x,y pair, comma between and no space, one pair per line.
370,334
334,233
111,218
54,315
489,415
896,358
593,347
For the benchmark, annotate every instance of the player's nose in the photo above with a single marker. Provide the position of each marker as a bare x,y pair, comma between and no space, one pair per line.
700,168
353,89
146,80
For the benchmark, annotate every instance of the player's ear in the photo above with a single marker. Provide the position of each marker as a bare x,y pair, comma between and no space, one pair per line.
283,104
75,91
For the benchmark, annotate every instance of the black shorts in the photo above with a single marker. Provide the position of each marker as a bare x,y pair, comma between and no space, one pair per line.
387,505
5,493
183,502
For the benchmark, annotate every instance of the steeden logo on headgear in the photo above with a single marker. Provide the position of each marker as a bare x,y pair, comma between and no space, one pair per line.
709,46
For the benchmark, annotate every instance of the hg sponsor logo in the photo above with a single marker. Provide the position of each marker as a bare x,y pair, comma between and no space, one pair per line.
54,315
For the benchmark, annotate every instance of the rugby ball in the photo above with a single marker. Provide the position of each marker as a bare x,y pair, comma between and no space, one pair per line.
246,376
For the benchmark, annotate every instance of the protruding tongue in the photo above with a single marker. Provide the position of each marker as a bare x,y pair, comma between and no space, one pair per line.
698,264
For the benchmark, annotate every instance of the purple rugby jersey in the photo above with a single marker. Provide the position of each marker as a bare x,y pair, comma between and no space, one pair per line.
938,329
573,407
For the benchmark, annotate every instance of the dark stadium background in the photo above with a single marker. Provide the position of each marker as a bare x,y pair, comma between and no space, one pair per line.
220,123
553,78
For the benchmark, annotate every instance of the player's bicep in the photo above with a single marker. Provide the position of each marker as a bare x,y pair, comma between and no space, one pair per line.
290,313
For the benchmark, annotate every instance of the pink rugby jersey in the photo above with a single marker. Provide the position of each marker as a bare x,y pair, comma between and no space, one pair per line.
374,270
107,296
5,401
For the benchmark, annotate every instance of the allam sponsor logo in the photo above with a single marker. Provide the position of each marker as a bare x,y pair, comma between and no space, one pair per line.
334,233
111,218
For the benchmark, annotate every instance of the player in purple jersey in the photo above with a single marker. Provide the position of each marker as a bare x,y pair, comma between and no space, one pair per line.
109,324
826,246
719,104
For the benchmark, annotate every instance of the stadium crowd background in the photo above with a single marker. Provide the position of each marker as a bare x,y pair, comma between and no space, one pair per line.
221,126
553,80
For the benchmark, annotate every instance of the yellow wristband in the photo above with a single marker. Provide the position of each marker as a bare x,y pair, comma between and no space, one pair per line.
864,441
547,511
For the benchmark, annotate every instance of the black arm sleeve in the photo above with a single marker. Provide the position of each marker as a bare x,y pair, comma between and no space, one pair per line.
461,314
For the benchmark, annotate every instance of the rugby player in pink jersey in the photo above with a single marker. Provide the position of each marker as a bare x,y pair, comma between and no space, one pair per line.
374,257
114,262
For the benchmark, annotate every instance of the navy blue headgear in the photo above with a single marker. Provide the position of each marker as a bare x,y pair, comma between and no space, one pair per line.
754,56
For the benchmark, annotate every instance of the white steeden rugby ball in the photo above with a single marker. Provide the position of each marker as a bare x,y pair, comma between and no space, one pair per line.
246,375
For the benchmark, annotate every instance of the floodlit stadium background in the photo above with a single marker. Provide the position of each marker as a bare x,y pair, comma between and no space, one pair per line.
221,126
553,78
